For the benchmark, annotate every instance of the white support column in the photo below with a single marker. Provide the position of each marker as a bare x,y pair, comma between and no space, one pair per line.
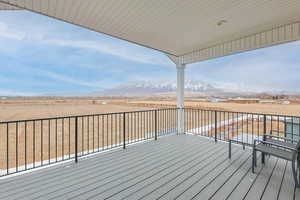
180,97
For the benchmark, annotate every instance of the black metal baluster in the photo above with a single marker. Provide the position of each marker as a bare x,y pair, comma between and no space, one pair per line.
228,126
93,133
103,124
76,139
271,123
98,132
258,131
88,134
155,125
7,148
135,127
42,143
216,117
111,131
119,130
247,127
278,125
25,135
55,140
292,127
124,130
49,142
243,128
140,126
63,138
33,148
265,125
82,136
113,128
285,125
69,137
252,128
17,147
224,129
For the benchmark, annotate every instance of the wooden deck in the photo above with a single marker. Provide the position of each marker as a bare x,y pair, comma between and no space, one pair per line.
173,167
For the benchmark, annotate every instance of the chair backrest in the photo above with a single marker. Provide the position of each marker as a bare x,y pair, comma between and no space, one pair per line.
298,145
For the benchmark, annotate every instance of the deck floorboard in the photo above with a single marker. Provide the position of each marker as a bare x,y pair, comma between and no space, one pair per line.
173,167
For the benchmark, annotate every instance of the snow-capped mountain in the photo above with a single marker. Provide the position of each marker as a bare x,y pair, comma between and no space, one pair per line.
147,88
192,88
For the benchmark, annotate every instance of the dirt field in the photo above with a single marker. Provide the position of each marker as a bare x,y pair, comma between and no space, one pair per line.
51,140
290,109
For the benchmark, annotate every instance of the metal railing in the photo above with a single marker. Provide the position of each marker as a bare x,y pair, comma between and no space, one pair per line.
28,144
240,127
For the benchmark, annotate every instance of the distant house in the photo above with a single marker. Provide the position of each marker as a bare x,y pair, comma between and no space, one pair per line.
285,102
292,128
267,101
244,100
216,100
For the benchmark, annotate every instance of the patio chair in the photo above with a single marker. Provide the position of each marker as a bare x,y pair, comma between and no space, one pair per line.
281,147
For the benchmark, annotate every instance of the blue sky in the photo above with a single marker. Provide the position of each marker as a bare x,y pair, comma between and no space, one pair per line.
43,56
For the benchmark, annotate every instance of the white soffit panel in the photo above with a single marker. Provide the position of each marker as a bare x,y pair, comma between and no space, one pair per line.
4,6
191,30
275,36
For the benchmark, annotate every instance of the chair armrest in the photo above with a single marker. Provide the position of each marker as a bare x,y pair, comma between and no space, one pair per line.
278,145
277,131
279,137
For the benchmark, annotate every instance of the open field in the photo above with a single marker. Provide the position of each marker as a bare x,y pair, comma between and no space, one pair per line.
290,109
19,109
47,141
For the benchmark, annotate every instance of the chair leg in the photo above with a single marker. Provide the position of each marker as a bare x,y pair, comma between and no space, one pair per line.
298,170
295,170
253,160
229,153
263,158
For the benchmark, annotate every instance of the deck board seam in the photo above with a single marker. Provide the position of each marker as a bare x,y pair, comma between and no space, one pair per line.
201,160
269,179
105,153
146,165
69,174
239,182
206,175
207,164
278,194
94,167
176,157
248,170
219,175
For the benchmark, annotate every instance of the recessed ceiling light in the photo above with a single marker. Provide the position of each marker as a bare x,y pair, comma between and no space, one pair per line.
221,22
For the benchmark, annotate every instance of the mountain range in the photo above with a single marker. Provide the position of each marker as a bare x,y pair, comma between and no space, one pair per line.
168,88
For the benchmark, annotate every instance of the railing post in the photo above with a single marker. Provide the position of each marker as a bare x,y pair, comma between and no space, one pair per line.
265,124
124,130
76,139
216,125
155,124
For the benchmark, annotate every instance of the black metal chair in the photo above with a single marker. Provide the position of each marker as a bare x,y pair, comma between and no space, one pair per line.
281,147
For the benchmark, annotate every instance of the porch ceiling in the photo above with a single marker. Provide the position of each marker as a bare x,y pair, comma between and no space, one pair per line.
190,31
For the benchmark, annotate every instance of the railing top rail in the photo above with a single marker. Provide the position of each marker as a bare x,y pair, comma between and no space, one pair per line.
89,115
140,111
251,113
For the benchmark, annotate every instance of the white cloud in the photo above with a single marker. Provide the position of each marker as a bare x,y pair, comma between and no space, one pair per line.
38,34
10,34
68,79
134,54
